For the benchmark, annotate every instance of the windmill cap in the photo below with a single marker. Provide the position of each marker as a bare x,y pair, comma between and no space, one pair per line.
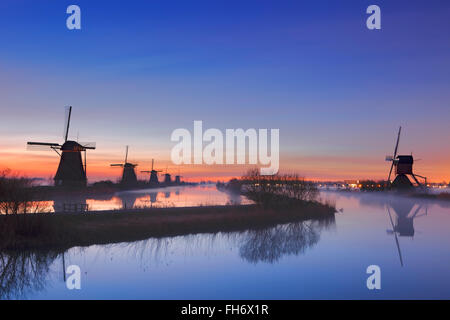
405,159
71,146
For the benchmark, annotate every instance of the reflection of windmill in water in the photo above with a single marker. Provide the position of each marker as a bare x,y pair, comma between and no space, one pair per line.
403,167
129,178
72,203
153,175
403,221
153,197
71,170
128,199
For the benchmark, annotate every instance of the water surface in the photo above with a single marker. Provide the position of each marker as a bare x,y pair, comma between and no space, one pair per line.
177,196
408,238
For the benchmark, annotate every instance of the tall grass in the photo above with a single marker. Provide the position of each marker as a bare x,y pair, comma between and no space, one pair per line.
17,202
17,194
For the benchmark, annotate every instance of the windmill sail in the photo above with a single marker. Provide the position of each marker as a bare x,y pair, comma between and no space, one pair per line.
395,154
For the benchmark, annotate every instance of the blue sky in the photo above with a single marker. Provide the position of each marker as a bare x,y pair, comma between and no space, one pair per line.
140,69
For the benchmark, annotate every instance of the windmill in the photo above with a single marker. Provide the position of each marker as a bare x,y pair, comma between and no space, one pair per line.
403,167
167,177
178,178
128,174
71,170
153,175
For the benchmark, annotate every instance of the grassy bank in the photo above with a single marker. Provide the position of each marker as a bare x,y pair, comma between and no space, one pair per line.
32,231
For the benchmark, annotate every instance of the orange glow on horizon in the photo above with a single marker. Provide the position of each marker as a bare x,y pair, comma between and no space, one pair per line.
312,168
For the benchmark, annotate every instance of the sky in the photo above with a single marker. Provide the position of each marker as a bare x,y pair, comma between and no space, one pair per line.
137,70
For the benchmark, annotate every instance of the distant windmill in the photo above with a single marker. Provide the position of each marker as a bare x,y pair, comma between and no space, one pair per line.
178,178
167,177
71,170
128,175
403,167
153,175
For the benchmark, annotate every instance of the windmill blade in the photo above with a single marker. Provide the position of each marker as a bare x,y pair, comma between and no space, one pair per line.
42,146
49,144
414,215
395,154
117,165
126,154
390,172
88,145
398,141
67,123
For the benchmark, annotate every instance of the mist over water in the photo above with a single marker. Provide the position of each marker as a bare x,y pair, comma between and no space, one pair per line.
179,196
407,238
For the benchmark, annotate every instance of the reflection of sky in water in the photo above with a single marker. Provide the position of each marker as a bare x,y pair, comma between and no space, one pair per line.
326,259
158,197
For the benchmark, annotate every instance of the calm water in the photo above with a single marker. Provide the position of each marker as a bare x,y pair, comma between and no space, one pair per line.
312,260
180,196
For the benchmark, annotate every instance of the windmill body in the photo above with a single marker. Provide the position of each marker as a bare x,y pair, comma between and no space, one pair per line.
129,178
71,169
403,165
153,175
167,178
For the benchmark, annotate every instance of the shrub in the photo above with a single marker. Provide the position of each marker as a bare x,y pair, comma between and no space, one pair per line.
278,190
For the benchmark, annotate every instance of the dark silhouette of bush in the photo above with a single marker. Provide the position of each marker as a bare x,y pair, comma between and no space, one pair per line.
278,190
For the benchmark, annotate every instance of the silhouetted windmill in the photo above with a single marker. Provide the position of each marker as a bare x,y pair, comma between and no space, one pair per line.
167,177
129,178
71,170
403,167
178,178
153,175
